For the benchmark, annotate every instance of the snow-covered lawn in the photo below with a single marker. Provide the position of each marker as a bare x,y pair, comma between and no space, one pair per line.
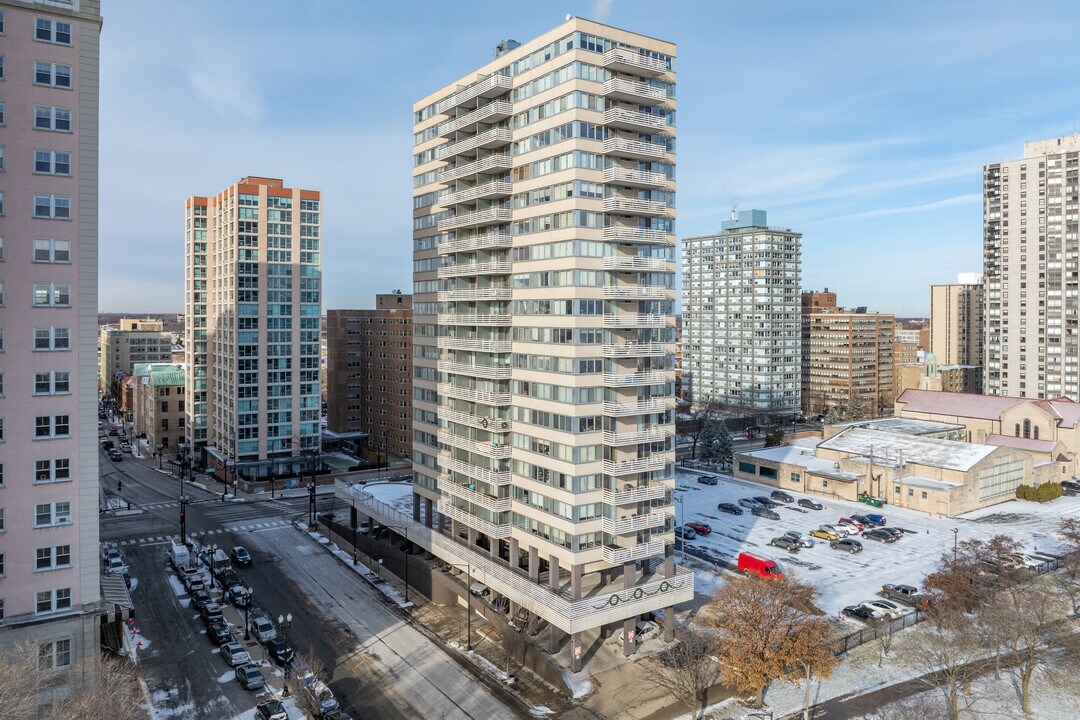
843,578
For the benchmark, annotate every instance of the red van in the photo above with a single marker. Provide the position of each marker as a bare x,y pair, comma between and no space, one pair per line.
751,564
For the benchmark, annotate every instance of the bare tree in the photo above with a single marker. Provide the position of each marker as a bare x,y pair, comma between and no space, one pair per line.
309,673
20,681
110,690
697,421
886,631
1068,576
972,575
513,644
688,668
950,659
762,626
916,708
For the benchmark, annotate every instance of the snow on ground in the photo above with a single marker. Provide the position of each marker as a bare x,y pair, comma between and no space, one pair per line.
396,494
843,578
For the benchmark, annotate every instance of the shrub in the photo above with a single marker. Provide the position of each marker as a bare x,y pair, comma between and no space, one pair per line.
1023,492
1043,493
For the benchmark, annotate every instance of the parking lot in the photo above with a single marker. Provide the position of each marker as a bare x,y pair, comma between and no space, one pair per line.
844,578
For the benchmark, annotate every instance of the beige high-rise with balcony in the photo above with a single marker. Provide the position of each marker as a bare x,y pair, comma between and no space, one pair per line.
543,327
956,321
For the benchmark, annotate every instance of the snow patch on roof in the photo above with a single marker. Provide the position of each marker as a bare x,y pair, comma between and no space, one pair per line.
933,452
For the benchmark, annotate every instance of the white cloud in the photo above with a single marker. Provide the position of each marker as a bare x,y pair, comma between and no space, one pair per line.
228,93
601,10
923,207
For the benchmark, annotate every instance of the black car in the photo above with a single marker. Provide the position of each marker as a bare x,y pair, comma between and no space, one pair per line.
765,513
116,455
1068,487
241,556
851,546
781,496
218,632
766,502
859,613
279,651
880,535
729,508
896,532
229,578
810,504
706,479
211,613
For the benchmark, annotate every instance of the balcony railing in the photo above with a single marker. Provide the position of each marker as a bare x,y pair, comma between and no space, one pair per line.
656,377
629,206
634,120
476,396
491,267
474,344
635,350
487,449
634,523
489,139
605,605
462,516
474,295
623,233
633,320
486,164
638,149
494,372
629,467
491,216
616,439
633,263
639,178
494,504
487,241
483,422
632,61
634,495
490,87
492,112
634,90
639,292
645,407
495,188
492,477
464,319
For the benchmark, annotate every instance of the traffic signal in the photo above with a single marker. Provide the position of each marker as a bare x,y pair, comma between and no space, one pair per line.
119,485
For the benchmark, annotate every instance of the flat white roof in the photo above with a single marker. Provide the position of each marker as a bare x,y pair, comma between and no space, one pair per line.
803,457
933,452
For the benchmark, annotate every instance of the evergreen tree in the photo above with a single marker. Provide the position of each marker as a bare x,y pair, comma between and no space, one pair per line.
856,409
724,449
832,416
774,438
708,442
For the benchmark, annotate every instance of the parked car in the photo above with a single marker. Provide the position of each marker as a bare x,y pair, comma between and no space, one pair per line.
879,535
116,455
851,546
1069,487
115,565
875,519
219,633
765,513
835,529
250,676
894,531
781,496
766,502
235,654
113,432
241,556
212,613
809,504
753,565
319,696
799,538
200,599
859,612
884,608
707,479
861,519
729,508
749,503
684,532
194,582
279,651
106,445
852,522
125,447
906,594
823,534
271,710
700,528
336,715
229,578
238,596
263,629
786,543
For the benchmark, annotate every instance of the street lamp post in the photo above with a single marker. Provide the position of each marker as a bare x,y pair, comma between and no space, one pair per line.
212,550
248,592
160,452
183,519
284,622
955,535
311,502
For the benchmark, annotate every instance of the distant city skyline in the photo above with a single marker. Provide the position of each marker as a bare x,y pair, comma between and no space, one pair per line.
878,163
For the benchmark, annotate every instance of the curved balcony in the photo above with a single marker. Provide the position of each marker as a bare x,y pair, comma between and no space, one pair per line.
635,350
633,320
474,344
491,87
487,241
635,178
631,61
489,139
634,523
655,377
482,422
633,120
476,396
644,407
462,516
492,477
635,494
492,372
491,267
639,292
494,504
626,206
474,295
617,554
634,91
644,236
495,188
630,467
491,216
617,439
485,165
633,263
489,320
492,112
634,149
487,449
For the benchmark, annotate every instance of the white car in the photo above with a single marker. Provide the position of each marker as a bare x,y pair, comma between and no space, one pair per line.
884,608
802,540
235,654
263,629
838,529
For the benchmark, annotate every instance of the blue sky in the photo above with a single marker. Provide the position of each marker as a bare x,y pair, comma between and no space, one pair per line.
864,125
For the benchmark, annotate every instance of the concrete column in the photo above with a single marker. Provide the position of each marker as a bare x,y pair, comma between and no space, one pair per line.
455,528
669,561
669,612
553,572
515,554
629,625
513,608
427,511
576,651
553,639
416,507
472,537
606,631
493,544
575,580
534,564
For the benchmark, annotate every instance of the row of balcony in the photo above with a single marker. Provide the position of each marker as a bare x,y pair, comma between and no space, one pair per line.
637,320
633,263
488,502
639,292
486,241
490,113
491,450
634,523
634,120
489,267
485,319
476,396
617,175
482,422
642,407
654,377
493,189
638,465
636,437
493,372
488,164
635,350
490,216
493,477
631,61
472,295
463,516
634,149
633,205
492,86
489,139
619,88
474,344
645,236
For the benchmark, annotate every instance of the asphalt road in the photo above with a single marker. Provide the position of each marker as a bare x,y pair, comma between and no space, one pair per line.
337,616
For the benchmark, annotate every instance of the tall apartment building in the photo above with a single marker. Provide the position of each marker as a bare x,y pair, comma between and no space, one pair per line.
50,585
133,342
1031,260
543,328
956,321
741,315
252,311
369,372
846,355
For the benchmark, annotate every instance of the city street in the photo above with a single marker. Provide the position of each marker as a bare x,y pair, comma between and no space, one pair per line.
381,666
